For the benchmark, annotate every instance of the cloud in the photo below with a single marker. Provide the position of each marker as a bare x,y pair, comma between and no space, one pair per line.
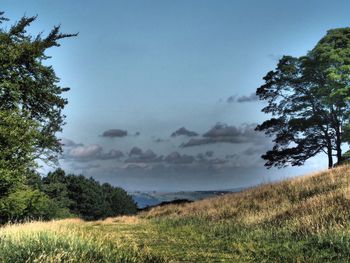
222,130
85,152
112,133
112,154
159,140
250,98
87,167
135,151
177,158
69,143
183,131
82,153
205,155
231,99
223,133
138,156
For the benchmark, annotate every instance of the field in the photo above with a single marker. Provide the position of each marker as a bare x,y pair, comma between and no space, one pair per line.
306,219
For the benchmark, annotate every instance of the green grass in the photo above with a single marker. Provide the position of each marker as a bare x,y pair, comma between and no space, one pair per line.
301,220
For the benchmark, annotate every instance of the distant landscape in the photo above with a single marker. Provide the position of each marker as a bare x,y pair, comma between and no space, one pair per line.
153,198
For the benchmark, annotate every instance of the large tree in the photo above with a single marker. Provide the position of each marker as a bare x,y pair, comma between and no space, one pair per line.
29,86
308,99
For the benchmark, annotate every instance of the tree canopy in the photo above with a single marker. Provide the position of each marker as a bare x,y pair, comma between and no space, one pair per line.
29,86
308,99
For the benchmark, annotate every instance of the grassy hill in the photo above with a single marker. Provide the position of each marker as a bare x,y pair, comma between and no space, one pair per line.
306,219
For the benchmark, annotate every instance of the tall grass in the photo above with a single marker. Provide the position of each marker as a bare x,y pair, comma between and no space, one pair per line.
65,241
306,219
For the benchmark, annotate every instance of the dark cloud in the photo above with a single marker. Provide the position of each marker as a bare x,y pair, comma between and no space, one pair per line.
231,99
250,98
135,151
183,131
112,133
223,133
209,153
112,154
205,155
177,158
231,156
257,149
159,140
222,130
143,157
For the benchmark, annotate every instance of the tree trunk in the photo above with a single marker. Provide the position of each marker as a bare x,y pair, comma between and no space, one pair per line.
338,145
330,157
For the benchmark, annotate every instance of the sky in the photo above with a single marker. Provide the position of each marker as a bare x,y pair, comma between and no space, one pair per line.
162,91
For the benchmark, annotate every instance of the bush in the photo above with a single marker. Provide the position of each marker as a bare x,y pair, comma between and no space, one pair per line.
27,204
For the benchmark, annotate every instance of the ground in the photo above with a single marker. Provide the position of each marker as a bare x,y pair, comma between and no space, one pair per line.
300,220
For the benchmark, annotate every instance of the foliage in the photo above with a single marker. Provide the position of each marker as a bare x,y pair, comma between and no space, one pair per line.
17,147
308,98
31,105
86,197
29,86
24,204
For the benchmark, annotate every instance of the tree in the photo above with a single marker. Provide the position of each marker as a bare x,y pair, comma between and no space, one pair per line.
85,197
25,203
55,186
18,137
308,98
31,105
29,86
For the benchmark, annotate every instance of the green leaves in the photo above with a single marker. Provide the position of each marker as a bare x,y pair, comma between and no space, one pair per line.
31,105
309,100
29,85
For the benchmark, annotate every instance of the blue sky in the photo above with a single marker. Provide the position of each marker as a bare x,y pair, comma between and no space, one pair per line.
155,66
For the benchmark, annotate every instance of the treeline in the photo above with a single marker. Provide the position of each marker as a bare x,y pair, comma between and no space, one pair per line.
60,196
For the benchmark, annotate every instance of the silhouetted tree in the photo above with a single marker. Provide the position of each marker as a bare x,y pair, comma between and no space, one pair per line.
308,98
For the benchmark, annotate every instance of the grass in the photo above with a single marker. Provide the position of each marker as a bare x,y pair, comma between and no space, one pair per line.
306,219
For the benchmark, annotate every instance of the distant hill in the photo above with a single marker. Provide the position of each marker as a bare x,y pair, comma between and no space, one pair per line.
153,198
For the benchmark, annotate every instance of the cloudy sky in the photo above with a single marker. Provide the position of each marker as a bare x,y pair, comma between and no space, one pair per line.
162,91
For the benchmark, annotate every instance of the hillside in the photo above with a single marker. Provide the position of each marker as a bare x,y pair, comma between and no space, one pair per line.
306,219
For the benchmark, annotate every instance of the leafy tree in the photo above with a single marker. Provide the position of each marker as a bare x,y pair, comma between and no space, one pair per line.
31,105
30,86
25,203
308,98
55,186
18,137
85,197
118,201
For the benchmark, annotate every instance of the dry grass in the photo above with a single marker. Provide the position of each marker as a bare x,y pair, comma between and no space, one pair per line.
318,196
306,219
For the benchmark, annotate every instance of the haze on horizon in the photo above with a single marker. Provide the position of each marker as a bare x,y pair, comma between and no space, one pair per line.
162,92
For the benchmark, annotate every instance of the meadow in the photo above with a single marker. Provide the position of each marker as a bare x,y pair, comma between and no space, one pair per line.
306,219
